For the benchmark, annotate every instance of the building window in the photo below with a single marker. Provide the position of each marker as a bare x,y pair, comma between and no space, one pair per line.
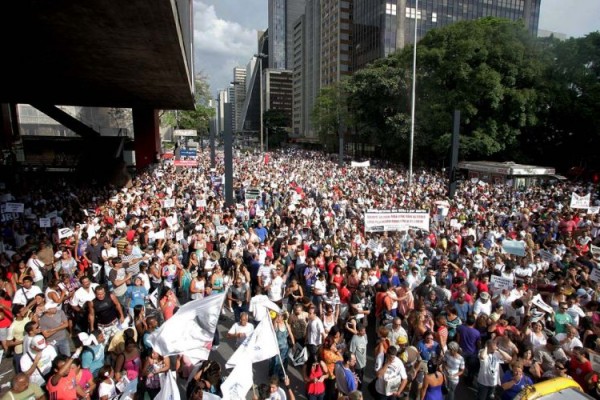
434,17
410,13
390,9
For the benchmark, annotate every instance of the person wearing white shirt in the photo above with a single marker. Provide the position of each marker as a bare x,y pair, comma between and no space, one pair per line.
483,305
27,292
575,310
241,330
256,307
569,340
391,375
37,360
108,253
490,358
275,286
37,266
315,331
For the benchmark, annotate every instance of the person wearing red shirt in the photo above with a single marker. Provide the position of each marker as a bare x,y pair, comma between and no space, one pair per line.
579,366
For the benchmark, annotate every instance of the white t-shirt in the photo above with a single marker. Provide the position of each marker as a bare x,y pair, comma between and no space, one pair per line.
315,332
258,310
44,365
107,389
276,289
23,296
237,328
82,296
395,372
36,267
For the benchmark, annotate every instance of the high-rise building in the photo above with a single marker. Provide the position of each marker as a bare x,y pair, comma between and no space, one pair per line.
382,26
336,40
307,69
282,16
239,96
278,92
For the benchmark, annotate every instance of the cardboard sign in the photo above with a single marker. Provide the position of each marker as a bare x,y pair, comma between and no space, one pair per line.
169,203
595,275
14,207
52,214
179,236
546,255
45,223
501,283
160,235
595,250
593,210
515,247
541,304
222,229
65,233
580,201
201,203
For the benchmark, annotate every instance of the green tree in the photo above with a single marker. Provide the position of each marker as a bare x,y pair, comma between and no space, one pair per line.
490,70
277,123
329,113
570,112
199,118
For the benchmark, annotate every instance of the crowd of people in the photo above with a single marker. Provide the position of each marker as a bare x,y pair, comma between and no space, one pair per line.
89,273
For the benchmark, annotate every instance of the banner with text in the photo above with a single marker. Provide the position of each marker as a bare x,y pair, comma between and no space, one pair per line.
580,201
396,220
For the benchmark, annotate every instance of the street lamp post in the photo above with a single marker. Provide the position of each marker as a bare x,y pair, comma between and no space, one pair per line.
260,57
412,110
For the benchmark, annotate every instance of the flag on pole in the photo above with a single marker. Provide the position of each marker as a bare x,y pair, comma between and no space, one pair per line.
240,380
191,328
260,345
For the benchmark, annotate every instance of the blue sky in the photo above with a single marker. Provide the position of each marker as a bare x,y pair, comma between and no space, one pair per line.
225,31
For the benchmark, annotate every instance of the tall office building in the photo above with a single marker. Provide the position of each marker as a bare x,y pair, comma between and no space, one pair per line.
306,69
336,40
282,16
239,96
277,93
382,26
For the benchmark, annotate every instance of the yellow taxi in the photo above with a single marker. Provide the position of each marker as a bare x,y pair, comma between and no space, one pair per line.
554,389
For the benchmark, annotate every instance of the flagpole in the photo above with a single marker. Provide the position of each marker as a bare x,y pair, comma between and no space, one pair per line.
278,351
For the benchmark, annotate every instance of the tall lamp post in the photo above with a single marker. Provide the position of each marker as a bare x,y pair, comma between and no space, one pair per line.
412,109
260,57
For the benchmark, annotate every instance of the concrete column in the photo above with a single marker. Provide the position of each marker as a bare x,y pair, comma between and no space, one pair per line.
146,136
9,125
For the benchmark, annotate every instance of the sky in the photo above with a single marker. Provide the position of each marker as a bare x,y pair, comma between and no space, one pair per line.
225,31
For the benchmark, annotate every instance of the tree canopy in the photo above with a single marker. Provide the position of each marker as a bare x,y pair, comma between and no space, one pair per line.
519,96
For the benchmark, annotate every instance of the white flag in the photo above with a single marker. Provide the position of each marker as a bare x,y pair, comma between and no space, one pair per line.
191,328
238,383
260,345
168,387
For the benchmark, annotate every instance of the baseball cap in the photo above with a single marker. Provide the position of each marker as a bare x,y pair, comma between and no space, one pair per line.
581,292
38,342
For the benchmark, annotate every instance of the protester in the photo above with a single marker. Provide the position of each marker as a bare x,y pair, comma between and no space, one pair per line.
296,238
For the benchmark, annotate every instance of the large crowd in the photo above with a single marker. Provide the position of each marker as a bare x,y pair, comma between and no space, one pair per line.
89,273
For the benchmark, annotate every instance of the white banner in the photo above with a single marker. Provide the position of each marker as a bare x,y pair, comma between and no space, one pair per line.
168,386
201,203
396,220
14,207
580,201
239,382
500,283
595,250
260,345
179,236
45,223
593,210
191,328
364,164
222,229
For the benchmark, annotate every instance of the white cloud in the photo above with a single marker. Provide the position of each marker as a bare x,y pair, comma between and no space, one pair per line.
220,45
